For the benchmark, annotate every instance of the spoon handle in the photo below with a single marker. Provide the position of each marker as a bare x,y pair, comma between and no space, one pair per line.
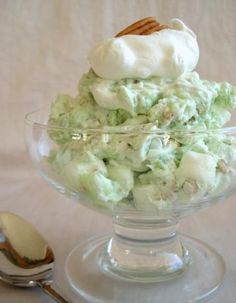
47,288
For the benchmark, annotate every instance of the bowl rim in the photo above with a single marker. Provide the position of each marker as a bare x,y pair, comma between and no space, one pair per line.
125,129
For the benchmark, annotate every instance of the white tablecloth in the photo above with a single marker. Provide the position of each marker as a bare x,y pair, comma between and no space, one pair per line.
43,51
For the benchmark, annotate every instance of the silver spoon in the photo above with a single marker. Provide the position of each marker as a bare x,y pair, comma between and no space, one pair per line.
25,257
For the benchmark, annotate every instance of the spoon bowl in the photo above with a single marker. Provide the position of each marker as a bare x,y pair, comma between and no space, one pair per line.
26,259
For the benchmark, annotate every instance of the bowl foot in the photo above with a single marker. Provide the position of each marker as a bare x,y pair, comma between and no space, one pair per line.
197,283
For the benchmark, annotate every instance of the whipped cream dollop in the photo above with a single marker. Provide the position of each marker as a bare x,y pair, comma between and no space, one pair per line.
167,53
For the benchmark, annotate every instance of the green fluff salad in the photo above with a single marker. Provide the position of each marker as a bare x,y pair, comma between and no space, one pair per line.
148,140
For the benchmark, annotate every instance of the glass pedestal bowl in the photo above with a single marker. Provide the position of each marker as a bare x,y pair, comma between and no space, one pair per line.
147,179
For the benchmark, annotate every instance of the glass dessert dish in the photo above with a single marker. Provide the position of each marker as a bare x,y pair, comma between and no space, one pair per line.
147,179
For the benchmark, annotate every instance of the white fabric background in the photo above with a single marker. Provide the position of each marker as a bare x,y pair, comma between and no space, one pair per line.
43,52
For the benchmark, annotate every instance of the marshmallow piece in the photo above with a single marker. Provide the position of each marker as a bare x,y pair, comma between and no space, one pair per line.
198,167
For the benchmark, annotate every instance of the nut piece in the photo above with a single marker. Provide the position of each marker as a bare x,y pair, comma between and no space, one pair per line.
190,187
144,26
223,167
167,114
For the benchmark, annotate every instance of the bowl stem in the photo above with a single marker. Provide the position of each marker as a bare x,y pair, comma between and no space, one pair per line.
144,249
